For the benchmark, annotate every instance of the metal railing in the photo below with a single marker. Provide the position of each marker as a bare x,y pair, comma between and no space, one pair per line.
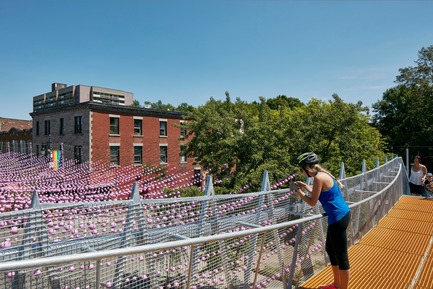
268,239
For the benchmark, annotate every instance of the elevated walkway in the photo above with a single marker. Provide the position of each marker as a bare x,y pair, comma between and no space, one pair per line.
397,253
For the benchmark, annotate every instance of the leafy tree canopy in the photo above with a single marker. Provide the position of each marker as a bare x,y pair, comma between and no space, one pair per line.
135,103
183,107
237,141
403,115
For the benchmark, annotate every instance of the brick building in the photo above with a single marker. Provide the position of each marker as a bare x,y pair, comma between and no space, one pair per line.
15,135
7,123
100,125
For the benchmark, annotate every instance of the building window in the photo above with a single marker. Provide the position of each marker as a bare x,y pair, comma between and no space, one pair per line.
78,124
15,146
163,154
138,155
47,127
23,147
198,178
37,128
78,157
115,155
108,98
137,126
163,128
62,126
37,150
114,125
44,150
183,158
182,130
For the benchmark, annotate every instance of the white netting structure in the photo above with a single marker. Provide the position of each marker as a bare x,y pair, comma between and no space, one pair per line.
267,239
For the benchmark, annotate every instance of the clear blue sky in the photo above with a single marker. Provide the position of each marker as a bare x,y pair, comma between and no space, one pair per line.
190,50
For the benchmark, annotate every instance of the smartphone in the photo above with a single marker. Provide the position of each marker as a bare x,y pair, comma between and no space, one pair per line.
293,186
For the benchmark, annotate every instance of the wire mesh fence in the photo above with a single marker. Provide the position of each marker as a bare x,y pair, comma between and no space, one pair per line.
267,239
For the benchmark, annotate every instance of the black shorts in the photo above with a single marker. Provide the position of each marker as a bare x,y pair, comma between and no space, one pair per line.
415,189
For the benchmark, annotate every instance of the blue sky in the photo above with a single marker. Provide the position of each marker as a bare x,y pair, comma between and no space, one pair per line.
191,50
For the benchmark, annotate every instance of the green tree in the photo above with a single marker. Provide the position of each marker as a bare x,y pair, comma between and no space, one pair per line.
161,106
422,73
283,101
338,132
262,145
403,115
237,141
212,133
185,107
136,103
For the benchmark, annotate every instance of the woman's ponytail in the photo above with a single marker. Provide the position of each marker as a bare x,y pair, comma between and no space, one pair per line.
319,168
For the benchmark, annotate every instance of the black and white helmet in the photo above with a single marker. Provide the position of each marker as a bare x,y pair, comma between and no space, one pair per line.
309,158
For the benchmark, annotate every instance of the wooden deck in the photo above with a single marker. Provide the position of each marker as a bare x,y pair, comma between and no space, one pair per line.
397,253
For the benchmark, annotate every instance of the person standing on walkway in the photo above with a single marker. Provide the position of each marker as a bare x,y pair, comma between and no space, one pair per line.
326,189
417,175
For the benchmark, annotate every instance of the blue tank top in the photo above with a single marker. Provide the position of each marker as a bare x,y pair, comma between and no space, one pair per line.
334,204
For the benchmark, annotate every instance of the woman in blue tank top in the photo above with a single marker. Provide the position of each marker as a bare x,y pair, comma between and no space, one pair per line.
326,190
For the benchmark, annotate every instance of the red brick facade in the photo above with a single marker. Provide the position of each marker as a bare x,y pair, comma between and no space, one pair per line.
100,126
150,139
7,123
96,140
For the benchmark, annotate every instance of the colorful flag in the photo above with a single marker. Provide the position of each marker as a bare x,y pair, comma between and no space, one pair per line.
56,159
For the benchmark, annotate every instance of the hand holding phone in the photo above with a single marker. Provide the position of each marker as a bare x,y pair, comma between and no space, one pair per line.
293,186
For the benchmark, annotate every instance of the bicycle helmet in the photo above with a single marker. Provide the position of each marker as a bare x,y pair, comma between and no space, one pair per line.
309,158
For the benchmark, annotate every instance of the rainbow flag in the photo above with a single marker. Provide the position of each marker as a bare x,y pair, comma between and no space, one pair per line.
56,159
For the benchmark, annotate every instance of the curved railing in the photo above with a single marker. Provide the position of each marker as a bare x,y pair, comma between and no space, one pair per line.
268,239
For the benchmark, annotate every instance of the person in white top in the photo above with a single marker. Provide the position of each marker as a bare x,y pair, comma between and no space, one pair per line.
417,176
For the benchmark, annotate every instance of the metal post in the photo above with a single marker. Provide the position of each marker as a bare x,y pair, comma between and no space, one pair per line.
377,170
126,234
139,215
209,191
259,258
342,176
190,269
295,255
407,162
98,273
361,187
342,171
265,186
29,231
